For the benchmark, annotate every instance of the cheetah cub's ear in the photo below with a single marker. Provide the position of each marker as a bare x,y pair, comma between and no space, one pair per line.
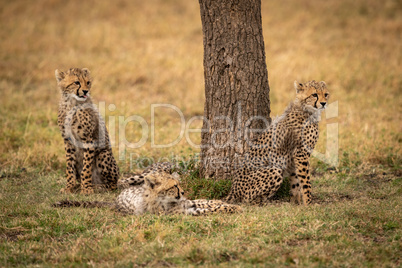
149,183
176,176
59,75
298,86
152,182
86,71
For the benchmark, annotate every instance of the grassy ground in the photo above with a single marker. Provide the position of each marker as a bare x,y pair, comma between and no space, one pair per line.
149,52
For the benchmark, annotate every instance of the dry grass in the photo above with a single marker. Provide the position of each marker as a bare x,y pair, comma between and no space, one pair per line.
147,52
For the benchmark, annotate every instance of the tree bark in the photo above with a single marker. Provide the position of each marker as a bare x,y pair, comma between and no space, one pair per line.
236,83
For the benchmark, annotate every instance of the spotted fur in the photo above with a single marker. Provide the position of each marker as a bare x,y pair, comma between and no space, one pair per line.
86,141
284,148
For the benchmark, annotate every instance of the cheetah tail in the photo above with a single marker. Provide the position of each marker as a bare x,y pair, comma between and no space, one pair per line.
84,204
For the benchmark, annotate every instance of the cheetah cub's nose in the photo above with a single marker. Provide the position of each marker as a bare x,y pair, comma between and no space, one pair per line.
323,104
86,91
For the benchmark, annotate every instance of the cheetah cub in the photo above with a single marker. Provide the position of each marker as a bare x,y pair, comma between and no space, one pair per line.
162,194
86,141
156,193
284,148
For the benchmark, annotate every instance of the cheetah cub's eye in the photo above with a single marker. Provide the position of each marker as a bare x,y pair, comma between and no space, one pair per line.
88,83
326,95
77,83
315,95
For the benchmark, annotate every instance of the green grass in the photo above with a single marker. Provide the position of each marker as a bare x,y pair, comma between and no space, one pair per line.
354,221
148,52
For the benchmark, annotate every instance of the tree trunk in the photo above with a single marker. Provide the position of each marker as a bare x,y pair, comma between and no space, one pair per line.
236,83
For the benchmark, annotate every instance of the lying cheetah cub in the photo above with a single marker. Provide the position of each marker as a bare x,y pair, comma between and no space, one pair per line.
86,141
284,147
157,193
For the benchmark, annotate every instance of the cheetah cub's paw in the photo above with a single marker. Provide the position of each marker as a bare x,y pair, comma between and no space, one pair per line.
87,191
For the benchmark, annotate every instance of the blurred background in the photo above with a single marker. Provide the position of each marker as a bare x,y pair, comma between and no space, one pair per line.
148,52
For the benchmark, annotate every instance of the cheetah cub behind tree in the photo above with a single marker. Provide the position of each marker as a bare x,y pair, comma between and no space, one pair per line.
284,148
88,151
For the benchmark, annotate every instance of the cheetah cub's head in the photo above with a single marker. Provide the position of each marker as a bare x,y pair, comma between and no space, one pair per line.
312,95
164,186
75,83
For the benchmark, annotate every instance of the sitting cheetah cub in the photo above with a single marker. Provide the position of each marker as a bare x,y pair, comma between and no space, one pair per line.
157,193
86,141
283,148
